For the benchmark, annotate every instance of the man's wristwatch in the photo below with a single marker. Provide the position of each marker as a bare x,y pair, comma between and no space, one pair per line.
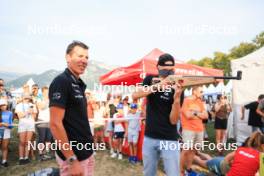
71,159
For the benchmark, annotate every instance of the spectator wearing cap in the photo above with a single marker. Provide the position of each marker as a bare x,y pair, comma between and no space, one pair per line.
162,114
119,131
133,131
5,129
26,112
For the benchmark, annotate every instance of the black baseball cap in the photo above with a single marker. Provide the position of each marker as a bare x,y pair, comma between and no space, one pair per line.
164,58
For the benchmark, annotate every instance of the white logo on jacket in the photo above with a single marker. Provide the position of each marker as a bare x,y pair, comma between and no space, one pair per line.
56,95
78,96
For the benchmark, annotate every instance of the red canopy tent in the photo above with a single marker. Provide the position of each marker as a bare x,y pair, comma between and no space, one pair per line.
135,73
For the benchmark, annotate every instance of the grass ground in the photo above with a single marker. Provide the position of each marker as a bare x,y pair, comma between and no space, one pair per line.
104,164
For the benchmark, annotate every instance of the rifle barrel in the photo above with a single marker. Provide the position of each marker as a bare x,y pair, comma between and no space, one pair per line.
237,77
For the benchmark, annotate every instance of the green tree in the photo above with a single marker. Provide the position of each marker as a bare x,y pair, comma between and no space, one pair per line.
242,49
192,61
207,62
222,61
259,40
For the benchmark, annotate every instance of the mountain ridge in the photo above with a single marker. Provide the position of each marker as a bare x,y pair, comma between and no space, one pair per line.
91,76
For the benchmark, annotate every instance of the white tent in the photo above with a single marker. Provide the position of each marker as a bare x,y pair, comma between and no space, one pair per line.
220,88
187,92
204,89
228,87
211,89
18,92
30,82
247,89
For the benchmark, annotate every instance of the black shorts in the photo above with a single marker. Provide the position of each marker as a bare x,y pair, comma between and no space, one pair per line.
220,124
44,135
119,135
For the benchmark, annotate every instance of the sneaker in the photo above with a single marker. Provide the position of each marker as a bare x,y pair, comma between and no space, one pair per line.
135,159
21,161
120,156
114,155
26,161
130,159
41,156
5,164
190,172
111,151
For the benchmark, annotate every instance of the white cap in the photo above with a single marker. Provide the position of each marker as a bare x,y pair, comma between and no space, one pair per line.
3,102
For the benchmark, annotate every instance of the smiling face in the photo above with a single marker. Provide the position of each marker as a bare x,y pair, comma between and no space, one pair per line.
77,60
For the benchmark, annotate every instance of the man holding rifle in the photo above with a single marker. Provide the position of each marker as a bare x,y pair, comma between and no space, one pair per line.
162,114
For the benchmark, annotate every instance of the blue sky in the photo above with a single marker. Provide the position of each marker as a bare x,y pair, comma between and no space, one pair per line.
35,34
